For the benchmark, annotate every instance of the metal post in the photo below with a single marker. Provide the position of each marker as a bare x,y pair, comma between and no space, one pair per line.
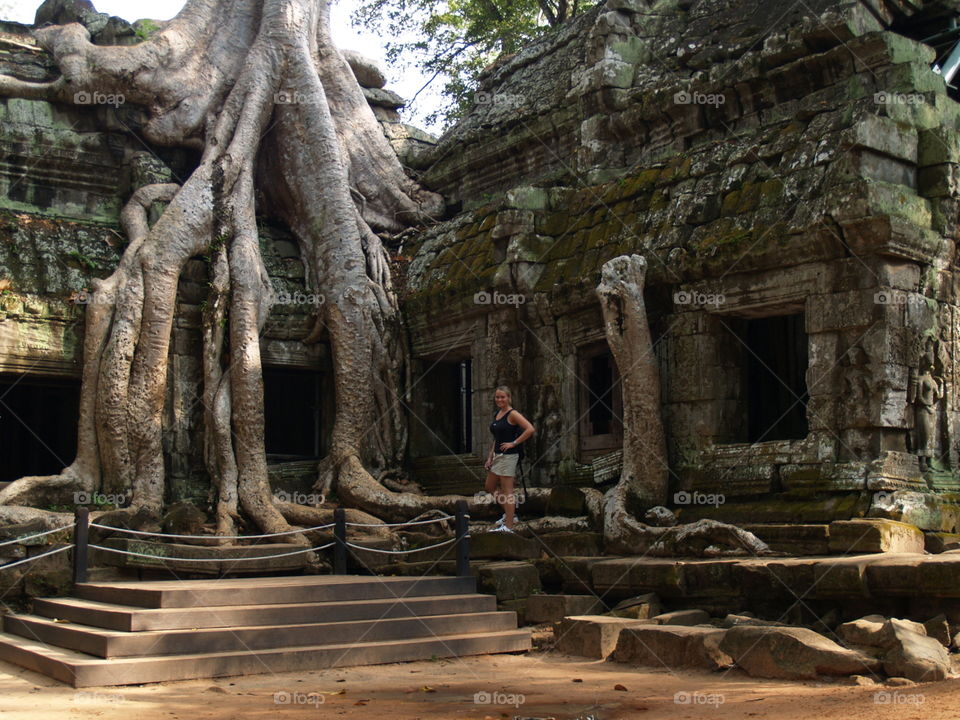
81,536
463,540
340,542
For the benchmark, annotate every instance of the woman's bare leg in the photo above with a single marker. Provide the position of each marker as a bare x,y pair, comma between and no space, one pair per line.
491,484
509,500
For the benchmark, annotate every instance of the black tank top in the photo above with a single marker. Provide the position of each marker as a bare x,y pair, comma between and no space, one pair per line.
503,432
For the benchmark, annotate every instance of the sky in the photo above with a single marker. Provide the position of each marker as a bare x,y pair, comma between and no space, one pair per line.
405,84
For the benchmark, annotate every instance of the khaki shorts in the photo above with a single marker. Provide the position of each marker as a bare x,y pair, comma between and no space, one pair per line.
505,464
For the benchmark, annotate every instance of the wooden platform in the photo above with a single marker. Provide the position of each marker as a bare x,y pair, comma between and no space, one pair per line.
123,633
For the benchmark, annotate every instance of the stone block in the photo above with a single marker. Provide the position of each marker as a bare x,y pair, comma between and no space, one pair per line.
939,628
572,544
642,607
872,535
566,501
509,580
912,654
503,546
794,539
593,636
553,608
671,646
863,631
682,617
792,654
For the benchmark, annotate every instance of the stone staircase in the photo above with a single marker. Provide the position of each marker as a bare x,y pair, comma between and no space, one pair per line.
123,633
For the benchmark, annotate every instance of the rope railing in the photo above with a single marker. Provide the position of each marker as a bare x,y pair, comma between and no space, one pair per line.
24,538
341,547
401,552
7,566
402,524
211,537
234,559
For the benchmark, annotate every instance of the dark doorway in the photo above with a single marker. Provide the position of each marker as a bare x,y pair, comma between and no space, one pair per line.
776,369
292,412
38,425
444,409
601,406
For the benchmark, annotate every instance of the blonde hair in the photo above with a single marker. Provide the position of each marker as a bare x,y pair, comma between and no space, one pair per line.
506,390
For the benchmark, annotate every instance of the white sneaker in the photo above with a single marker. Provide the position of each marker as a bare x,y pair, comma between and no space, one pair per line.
502,528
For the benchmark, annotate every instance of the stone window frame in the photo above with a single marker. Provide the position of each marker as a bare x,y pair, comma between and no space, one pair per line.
587,442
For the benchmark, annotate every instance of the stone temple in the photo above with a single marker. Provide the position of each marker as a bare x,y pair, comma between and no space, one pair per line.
790,173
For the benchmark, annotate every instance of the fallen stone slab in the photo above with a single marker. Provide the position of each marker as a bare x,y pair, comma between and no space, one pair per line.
733,620
889,634
939,628
863,631
939,542
567,544
508,580
503,546
553,608
593,636
793,539
875,535
641,607
682,617
914,655
792,653
672,646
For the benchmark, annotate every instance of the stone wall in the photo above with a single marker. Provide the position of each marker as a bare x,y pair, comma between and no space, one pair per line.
766,164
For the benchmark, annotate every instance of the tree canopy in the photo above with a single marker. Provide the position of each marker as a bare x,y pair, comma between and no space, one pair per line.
454,41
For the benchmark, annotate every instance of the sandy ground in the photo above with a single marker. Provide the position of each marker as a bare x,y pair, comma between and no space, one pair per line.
536,685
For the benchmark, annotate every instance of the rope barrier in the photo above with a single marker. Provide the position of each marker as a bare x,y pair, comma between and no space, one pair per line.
398,552
403,524
240,559
210,537
40,534
36,557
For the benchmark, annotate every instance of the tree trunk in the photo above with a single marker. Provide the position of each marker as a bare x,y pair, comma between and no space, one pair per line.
643,480
216,79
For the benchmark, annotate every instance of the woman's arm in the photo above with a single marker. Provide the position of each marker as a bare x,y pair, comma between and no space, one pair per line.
528,431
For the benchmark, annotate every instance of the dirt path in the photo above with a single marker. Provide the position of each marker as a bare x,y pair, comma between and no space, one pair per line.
536,685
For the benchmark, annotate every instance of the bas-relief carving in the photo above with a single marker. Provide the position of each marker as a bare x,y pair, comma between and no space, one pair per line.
925,390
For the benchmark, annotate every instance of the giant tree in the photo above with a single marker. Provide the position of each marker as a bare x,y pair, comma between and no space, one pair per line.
258,89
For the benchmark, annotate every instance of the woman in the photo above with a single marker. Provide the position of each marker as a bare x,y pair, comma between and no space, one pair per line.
509,429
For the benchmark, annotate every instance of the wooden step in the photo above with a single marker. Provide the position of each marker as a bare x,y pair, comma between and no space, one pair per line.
130,619
262,591
81,670
111,643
